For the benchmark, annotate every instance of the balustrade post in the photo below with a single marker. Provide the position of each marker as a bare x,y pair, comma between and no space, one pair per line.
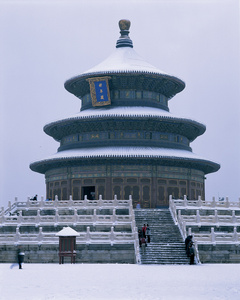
100,201
114,217
173,209
130,200
170,198
179,216
38,219
133,224
112,235
94,215
56,201
75,215
42,202
70,202
189,231
9,205
70,197
20,218
213,239
56,216
88,236
17,235
28,202
16,200
115,200
135,234
56,197
133,215
131,211
185,200
216,216
227,202
198,219
85,200
199,201
213,202
100,197
196,252
3,218
235,235
40,235
184,231
233,217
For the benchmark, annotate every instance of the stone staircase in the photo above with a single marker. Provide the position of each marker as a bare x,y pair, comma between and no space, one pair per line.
167,245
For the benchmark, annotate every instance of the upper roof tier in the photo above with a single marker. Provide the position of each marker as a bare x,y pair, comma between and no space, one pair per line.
124,61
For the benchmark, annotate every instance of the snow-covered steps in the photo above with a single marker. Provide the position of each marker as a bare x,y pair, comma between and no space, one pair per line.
166,246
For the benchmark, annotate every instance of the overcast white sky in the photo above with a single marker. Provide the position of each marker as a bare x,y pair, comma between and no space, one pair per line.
44,43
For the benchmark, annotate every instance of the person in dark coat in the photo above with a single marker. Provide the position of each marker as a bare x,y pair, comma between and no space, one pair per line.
187,240
20,256
140,237
190,244
191,254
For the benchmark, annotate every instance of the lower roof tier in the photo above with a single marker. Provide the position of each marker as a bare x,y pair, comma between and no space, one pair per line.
129,155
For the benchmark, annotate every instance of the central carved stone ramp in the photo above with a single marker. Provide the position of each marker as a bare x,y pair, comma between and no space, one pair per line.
166,246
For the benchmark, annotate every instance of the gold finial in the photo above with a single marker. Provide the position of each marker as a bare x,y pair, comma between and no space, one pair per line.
124,40
124,24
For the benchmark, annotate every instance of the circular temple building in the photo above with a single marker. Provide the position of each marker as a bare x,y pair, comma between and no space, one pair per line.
124,141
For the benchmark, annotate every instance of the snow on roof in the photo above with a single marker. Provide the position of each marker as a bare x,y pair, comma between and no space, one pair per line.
124,59
67,231
124,152
124,111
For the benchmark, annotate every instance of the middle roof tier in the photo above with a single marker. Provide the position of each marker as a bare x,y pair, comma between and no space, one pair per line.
147,119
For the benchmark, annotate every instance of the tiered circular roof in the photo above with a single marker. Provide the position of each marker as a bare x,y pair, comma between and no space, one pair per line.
128,70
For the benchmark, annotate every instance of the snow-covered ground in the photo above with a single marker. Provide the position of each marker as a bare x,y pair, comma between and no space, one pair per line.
117,282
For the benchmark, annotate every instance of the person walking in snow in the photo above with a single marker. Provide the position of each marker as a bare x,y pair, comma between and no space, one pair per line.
148,233
20,256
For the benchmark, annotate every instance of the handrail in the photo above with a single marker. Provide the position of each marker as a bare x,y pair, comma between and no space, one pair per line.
58,219
218,237
86,203
211,219
206,204
84,237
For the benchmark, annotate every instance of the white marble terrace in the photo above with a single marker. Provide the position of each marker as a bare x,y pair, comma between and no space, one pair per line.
227,217
13,216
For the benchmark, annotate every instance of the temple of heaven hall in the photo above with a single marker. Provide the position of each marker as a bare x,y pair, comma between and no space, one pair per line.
124,141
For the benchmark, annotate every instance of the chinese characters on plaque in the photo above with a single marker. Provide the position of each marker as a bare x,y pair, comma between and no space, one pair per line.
99,90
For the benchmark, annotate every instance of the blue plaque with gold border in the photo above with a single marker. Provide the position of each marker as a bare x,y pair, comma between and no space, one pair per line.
99,90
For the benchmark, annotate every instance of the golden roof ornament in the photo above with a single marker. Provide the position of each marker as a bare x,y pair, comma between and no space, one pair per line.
124,40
